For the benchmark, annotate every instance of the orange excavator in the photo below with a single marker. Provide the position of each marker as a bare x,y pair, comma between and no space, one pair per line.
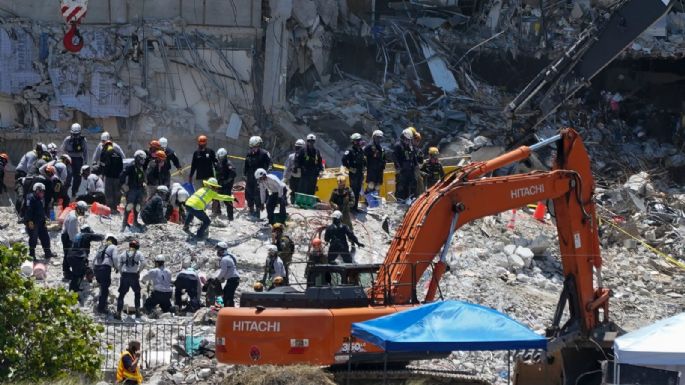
313,327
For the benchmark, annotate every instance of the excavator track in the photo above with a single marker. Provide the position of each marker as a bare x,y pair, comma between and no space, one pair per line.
408,376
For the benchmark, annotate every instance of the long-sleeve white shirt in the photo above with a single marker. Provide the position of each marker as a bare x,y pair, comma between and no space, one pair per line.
27,161
228,268
193,272
131,262
160,278
279,268
271,185
94,184
110,258
60,169
71,225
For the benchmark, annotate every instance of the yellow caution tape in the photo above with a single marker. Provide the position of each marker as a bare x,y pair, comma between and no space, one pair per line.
177,172
643,242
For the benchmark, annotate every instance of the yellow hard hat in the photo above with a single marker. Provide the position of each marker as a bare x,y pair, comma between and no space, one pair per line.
277,226
278,281
341,179
412,129
433,151
258,286
212,182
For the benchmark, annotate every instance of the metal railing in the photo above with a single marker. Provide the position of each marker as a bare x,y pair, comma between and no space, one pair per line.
157,342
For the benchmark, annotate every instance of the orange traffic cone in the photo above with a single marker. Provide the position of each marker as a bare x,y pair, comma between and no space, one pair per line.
540,211
512,221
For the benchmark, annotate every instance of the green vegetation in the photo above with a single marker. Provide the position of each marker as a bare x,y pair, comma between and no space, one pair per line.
42,335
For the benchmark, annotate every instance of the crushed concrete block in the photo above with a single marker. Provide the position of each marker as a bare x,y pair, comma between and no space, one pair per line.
516,263
204,373
526,255
304,11
509,249
178,378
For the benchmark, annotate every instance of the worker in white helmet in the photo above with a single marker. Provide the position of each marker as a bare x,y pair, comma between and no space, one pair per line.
225,175
133,184
338,236
97,154
375,162
172,158
76,146
256,158
309,160
406,160
160,277
271,191
35,221
292,175
177,198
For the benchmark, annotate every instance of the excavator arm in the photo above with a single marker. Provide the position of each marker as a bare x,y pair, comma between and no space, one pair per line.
597,46
461,197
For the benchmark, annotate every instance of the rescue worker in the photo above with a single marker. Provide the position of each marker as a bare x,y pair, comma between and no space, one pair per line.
53,185
229,273
225,175
132,181
70,229
256,158
105,259
375,162
203,164
94,190
197,204
157,174
285,246
52,150
315,256
130,265
35,220
128,367
154,211
277,282
432,170
291,175
153,147
416,143
177,198
105,138
309,161
272,191
187,280
60,167
355,162
78,256
28,160
66,183
76,147
405,160
111,165
337,236
171,156
160,277
342,199
4,161
273,266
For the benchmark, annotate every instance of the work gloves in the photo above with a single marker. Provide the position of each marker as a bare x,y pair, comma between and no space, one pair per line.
31,225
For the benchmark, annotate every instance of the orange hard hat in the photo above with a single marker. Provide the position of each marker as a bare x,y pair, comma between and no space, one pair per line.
155,144
5,157
160,155
202,139
50,170
316,242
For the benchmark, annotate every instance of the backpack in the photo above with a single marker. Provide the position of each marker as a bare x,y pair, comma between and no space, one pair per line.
100,258
113,163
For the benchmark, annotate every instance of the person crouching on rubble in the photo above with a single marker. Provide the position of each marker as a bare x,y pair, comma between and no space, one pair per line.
273,267
272,191
128,368
177,200
187,280
432,171
78,256
337,235
198,202
228,273
154,211
160,277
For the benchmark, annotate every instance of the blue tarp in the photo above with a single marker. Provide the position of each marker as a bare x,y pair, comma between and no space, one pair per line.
447,326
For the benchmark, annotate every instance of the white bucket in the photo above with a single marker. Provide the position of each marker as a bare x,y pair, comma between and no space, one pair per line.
27,268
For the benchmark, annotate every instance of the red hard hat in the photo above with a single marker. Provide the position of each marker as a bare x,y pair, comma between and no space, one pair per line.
160,155
5,157
202,139
316,242
155,144
50,170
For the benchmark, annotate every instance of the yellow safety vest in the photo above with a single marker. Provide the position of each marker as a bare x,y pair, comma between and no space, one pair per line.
123,374
204,196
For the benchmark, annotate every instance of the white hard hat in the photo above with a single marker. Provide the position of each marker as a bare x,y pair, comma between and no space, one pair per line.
377,133
356,136
222,245
75,128
182,195
311,137
255,141
85,167
66,156
105,136
38,186
260,172
160,258
299,143
336,214
163,142
85,228
44,147
407,134
52,147
82,205
212,181
110,235
163,189
140,154
272,249
220,153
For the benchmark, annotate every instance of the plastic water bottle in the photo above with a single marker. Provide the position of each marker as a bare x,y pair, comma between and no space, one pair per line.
220,301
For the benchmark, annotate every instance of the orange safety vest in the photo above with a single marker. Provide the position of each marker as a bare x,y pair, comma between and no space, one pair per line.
123,374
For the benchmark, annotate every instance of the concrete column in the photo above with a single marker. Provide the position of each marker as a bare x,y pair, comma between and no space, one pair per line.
276,55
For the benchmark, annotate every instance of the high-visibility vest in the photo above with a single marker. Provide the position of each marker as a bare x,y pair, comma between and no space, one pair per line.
204,196
123,374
